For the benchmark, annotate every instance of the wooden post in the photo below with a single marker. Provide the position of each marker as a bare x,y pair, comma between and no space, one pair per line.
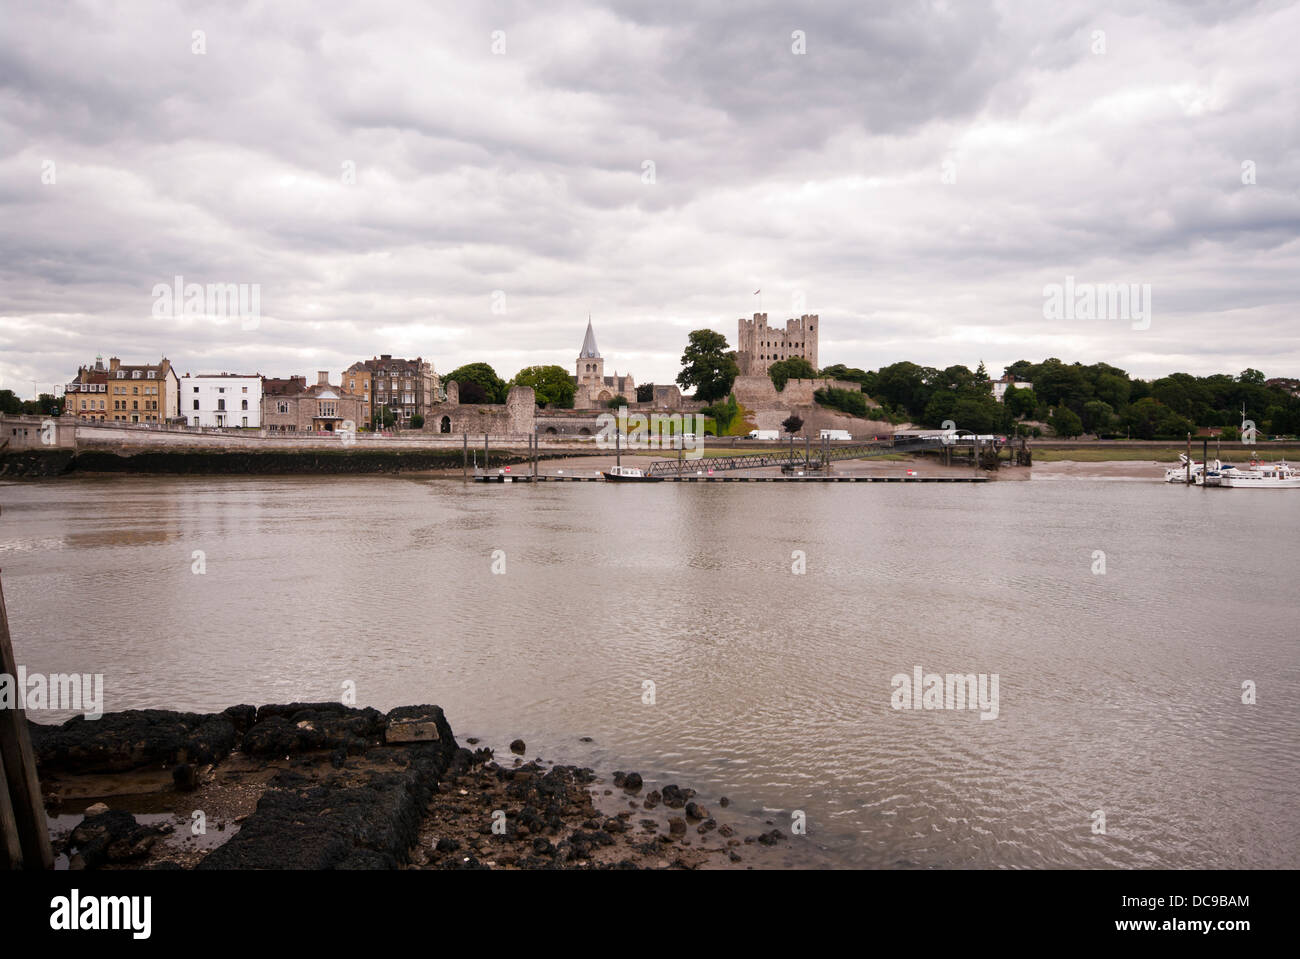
26,839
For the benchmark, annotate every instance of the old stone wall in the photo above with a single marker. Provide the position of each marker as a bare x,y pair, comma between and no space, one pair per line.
759,393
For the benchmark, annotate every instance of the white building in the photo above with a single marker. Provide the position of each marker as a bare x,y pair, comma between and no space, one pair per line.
1000,387
222,399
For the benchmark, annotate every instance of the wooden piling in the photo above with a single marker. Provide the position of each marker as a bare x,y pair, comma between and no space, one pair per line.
26,835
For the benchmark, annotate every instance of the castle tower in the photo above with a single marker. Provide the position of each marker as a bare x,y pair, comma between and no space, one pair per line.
758,345
590,364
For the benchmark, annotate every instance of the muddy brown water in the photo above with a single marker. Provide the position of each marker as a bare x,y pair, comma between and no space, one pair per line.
1119,692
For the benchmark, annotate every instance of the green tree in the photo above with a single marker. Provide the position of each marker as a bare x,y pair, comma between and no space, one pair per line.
1098,417
552,385
483,376
903,385
1020,402
724,414
1254,377
645,393
1065,422
617,401
792,424
855,404
416,422
796,367
10,403
868,381
708,366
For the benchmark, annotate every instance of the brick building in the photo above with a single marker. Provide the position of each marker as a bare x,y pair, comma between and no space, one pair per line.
323,408
407,387
143,393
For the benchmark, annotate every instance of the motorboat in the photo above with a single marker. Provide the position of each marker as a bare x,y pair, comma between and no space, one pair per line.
1260,476
629,474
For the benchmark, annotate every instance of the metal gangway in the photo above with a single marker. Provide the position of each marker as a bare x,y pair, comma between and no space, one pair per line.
824,453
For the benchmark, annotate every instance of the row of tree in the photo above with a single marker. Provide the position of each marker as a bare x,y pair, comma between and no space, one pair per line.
46,404
1072,399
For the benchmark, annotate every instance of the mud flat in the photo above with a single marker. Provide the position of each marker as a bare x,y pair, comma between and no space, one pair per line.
327,786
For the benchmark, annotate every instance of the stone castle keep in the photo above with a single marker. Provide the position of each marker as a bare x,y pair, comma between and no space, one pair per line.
758,345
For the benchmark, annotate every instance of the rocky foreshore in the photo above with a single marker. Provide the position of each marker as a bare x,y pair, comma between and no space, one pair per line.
328,786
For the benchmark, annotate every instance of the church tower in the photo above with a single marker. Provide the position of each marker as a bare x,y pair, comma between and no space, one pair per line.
591,366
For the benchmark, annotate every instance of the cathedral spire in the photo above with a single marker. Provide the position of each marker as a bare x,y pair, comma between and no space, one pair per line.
589,342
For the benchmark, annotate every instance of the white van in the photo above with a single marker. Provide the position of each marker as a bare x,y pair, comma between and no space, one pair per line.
763,434
835,435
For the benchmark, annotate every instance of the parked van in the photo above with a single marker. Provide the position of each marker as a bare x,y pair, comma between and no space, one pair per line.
835,435
763,434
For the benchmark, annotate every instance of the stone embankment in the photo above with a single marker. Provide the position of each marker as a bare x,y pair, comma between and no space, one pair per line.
57,462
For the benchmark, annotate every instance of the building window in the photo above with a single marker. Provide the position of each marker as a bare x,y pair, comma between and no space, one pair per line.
245,405
196,406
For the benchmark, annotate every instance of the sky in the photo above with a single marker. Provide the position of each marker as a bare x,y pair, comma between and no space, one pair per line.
469,182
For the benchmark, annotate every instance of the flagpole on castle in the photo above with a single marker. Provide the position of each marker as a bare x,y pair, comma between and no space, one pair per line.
759,293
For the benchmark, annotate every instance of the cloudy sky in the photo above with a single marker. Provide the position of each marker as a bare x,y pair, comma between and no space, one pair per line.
914,173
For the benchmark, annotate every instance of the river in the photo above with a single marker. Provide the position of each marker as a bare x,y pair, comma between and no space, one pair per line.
1121,620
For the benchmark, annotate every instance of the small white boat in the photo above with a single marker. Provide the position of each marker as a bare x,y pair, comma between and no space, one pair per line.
1178,474
629,474
1259,476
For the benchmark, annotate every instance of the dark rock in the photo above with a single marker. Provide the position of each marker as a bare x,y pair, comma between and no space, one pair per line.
675,797
543,846
771,838
676,826
707,826
298,727
241,717
185,777
446,844
724,802
695,811
585,739
653,798
132,739
518,747
632,781
620,777
112,837
733,856
726,830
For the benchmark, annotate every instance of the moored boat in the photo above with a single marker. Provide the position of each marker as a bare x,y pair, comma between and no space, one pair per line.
1260,476
629,474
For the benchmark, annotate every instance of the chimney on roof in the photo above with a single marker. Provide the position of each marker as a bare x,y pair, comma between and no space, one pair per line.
113,363
385,356
322,377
